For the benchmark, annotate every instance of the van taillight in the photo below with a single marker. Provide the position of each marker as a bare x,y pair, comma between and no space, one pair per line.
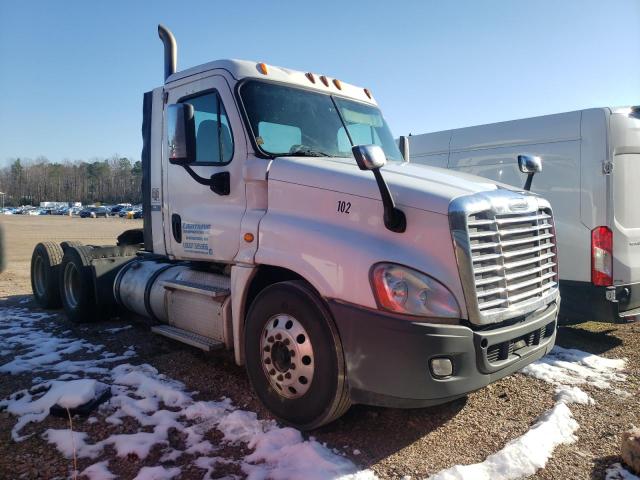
602,256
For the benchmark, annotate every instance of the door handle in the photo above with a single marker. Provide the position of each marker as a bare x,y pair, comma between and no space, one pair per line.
176,227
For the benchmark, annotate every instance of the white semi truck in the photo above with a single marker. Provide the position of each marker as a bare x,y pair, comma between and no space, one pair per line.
282,222
590,163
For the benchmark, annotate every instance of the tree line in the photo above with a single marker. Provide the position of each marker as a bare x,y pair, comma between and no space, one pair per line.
112,180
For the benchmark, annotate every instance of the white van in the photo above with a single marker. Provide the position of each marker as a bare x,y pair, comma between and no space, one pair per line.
590,174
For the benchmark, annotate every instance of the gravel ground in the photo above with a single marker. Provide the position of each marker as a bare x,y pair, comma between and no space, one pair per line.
393,443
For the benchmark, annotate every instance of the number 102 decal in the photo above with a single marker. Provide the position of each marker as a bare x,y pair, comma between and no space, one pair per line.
344,207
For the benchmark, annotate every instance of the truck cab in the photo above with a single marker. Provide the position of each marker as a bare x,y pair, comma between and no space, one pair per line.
282,222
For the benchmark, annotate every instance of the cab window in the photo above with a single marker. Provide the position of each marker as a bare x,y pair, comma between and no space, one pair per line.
214,142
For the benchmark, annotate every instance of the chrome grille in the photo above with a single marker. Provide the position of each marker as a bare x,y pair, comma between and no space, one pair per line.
507,260
513,257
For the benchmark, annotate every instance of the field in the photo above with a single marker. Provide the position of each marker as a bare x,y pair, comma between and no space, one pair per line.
392,443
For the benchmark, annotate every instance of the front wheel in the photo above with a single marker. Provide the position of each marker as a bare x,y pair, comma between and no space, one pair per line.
294,356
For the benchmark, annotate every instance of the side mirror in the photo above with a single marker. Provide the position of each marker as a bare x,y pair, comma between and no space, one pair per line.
403,145
369,157
181,138
529,164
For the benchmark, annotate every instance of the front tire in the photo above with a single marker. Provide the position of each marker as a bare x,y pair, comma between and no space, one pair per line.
294,356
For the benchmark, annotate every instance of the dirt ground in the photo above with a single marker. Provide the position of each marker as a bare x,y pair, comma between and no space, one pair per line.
394,443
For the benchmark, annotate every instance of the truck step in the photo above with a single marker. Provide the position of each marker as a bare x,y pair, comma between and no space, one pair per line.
192,287
195,340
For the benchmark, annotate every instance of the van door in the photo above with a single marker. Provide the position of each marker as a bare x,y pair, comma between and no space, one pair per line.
625,144
201,224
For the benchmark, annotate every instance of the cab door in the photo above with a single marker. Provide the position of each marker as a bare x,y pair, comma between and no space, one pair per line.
202,222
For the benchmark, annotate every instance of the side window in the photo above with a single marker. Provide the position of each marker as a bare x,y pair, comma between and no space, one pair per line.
214,143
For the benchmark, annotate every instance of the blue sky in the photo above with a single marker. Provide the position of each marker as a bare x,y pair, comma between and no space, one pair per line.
72,73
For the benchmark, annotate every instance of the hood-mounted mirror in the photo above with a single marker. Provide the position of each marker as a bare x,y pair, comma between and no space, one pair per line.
529,164
372,157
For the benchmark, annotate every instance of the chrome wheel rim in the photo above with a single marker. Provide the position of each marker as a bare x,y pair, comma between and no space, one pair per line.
38,276
287,356
71,285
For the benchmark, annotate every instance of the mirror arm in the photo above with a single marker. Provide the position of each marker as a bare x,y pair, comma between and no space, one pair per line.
196,177
218,183
527,183
394,218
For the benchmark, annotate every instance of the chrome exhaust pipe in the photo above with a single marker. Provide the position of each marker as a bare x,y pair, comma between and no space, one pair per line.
170,50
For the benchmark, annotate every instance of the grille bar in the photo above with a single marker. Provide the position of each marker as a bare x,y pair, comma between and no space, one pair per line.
512,258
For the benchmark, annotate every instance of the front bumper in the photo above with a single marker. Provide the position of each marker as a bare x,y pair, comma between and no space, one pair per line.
388,356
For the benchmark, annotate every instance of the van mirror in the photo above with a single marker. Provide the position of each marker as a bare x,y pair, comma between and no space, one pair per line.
180,133
369,157
529,163
403,145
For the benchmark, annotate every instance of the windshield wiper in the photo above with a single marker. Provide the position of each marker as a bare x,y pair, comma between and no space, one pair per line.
307,152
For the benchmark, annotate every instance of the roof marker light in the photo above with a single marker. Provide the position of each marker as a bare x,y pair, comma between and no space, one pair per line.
366,90
262,68
325,80
311,78
337,83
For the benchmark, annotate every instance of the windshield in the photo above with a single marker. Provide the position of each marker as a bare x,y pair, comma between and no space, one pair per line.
296,122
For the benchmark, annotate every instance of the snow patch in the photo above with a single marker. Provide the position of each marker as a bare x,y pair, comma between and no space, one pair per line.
157,473
573,395
70,394
524,455
98,471
563,366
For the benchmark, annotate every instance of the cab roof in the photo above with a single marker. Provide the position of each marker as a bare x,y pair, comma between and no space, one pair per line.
241,69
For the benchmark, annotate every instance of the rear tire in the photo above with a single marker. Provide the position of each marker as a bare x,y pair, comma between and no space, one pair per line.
77,289
294,356
45,268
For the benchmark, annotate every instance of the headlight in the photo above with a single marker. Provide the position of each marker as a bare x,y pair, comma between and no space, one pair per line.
403,290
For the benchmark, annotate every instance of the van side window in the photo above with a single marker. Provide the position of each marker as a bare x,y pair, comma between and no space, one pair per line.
214,142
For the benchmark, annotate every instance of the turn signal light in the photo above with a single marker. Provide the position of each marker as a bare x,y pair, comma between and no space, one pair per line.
324,80
248,237
367,92
337,83
602,256
262,68
311,78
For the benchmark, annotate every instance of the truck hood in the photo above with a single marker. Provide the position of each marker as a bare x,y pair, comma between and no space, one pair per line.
412,185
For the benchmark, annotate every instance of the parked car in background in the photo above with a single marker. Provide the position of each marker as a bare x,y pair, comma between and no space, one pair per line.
124,213
93,212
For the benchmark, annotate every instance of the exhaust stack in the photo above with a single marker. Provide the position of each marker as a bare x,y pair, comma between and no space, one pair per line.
170,50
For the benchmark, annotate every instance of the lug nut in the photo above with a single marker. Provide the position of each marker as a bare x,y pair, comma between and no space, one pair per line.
287,375
270,339
272,371
278,336
286,341
292,353
279,377
267,361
